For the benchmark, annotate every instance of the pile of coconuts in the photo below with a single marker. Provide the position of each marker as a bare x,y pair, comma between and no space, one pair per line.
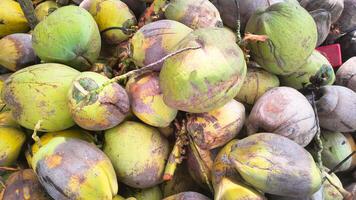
177,100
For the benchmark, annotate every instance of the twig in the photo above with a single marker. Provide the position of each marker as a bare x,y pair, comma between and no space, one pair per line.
34,134
341,163
29,11
9,169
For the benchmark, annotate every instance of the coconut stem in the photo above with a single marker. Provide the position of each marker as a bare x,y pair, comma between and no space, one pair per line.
34,135
9,169
29,11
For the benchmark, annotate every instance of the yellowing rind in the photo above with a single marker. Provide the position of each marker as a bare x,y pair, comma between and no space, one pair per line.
11,142
12,18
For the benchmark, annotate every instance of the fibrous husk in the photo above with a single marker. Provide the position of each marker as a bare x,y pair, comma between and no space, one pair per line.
286,112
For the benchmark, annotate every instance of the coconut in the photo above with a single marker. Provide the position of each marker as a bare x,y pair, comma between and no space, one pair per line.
44,9
147,100
334,7
323,22
292,37
257,82
152,193
187,196
206,77
12,18
97,111
286,112
317,68
266,162
336,106
17,52
347,20
73,36
345,75
38,95
11,143
348,45
195,14
138,153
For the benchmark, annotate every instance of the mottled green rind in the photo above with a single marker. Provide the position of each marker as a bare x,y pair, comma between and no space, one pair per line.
203,79
38,93
317,66
292,37
69,36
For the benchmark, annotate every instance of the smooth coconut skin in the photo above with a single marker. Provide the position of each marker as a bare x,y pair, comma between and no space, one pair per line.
265,161
138,153
17,51
97,111
317,66
73,36
109,14
73,169
292,37
11,143
203,79
12,17
39,92
155,40
346,74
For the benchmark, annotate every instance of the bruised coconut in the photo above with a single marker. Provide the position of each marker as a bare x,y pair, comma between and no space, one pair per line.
73,169
195,14
348,45
291,37
11,143
38,95
336,107
97,110
257,82
12,18
322,19
112,17
24,185
217,127
206,77
155,40
318,69
44,9
346,74
187,196
147,100
266,162
73,36
17,52
286,112
138,153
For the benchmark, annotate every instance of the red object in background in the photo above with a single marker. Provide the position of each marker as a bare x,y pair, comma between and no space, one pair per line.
332,53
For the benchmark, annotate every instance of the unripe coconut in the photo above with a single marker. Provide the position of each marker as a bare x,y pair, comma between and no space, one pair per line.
217,127
347,20
147,100
97,111
317,68
348,45
17,51
138,153
200,80
44,9
187,196
257,82
195,14
292,37
334,7
39,94
286,112
73,36
44,139
231,11
74,169
266,161
230,190
322,19
336,108
346,74
12,18
111,16
153,193
336,148
11,142
155,40
24,185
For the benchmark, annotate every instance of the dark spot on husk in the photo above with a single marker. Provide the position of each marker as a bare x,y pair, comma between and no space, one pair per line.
89,85
10,99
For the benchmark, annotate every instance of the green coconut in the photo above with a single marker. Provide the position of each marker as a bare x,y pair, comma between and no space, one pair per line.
317,68
292,37
257,82
97,111
138,153
266,162
205,77
69,36
39,94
